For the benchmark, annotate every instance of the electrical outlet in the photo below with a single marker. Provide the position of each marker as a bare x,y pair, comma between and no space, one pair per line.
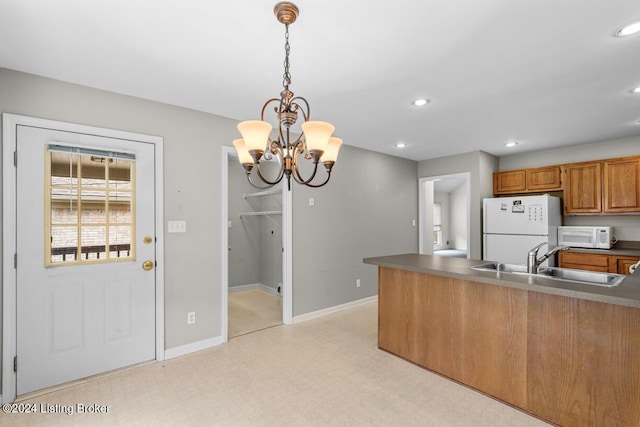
191,318
357,283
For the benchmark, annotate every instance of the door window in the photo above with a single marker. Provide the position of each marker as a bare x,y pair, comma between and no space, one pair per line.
89,206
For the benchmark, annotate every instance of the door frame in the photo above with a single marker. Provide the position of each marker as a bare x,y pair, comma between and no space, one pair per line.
422,184
287,241
9,234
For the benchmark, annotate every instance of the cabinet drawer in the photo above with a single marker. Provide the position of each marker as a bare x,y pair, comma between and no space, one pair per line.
584,259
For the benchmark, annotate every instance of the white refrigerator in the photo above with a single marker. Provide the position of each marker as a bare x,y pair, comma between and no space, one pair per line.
514,225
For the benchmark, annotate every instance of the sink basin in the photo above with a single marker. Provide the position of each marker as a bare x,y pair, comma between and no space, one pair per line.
501,267
582,276
564,274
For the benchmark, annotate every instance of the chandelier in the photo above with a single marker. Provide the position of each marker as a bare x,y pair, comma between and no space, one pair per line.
314,144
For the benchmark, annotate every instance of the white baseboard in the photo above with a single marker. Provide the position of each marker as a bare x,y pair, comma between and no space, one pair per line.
334,309
191,347
254,286
244,287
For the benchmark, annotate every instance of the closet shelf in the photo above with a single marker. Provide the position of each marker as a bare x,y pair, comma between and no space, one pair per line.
260,213
263,193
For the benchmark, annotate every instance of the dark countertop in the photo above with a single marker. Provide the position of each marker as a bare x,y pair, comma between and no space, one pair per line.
622,248
627,293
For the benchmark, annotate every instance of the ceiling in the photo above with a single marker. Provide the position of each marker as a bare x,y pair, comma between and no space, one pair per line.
545,73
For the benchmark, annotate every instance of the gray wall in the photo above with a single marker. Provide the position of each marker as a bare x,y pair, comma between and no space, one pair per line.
443,199
366,210
458,218
480,166
244,234
271,241
192,149
626,227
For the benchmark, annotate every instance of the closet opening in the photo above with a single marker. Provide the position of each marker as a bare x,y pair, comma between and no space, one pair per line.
255,253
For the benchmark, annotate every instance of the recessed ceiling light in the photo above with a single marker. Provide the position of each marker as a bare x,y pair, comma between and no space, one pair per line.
511,144
636,90
401,145
628,30
420,102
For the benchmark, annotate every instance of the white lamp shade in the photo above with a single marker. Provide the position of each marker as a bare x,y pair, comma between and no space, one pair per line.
331,153
317,134
243,153
255,134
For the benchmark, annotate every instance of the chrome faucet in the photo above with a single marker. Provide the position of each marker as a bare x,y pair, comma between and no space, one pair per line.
533,262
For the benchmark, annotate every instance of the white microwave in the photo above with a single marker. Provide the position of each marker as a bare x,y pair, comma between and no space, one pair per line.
585,237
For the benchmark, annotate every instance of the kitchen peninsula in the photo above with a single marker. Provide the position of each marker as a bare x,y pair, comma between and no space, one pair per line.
565,352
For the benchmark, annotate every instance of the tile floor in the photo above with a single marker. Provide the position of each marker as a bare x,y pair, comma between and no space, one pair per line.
253,310
322,372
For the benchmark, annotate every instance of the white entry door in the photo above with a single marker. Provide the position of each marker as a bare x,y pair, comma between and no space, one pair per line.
85,229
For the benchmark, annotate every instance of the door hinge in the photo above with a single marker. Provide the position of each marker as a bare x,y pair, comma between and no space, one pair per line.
156,263
15,260
15,364
15,158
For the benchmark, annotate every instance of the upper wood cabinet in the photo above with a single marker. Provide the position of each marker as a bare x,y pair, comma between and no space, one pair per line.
622,185
583,188
534,180
510,182
609,186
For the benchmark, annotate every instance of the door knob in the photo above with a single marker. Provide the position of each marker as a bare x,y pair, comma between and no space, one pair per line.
147,265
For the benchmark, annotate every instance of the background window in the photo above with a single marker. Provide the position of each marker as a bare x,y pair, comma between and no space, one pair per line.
437,224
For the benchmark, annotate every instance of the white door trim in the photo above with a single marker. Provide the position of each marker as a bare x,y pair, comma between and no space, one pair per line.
9,143
287,227
421,208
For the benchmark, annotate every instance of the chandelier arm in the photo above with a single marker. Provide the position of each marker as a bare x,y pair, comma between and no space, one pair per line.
306,113
265,180
266,104
259,187
299,179
320,185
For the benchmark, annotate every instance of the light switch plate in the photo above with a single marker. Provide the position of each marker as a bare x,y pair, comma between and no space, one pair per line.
177,227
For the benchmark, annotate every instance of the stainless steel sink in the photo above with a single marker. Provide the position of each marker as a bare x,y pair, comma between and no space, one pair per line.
564,274
501,267
582,276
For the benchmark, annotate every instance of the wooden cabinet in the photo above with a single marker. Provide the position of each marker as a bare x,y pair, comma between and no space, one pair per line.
569,361
623,264
510,182
544,179
610,186
584,261
535,180
622,185
596,262
583,188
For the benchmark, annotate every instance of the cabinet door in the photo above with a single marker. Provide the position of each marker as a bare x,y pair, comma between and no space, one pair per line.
509,182
622,185
583,188
584,261
625,262
544,179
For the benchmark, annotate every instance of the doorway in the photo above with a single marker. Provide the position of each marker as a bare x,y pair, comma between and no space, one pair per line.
444,216
256,234
84,277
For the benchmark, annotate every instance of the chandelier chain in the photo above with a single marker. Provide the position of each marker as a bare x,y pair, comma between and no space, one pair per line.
287,49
